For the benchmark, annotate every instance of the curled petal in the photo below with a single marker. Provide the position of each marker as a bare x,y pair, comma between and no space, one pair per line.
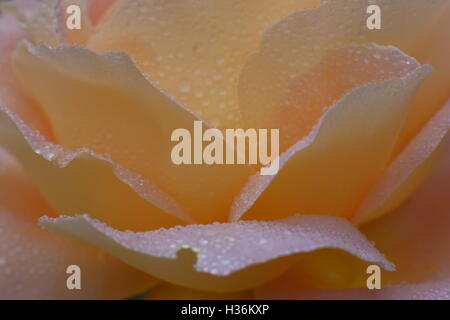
99,184
330,170
301,40
104,103
229,256
415,236
33,262
407,171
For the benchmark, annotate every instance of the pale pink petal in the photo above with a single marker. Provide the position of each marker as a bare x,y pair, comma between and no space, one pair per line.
227,256
415,236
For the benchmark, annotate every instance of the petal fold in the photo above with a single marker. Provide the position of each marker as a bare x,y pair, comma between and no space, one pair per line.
33,262
331,169
220,257
78,180
103,102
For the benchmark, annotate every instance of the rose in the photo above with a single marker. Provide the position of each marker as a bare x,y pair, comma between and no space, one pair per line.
86,129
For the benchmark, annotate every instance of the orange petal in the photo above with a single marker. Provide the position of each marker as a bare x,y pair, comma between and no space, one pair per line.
331,169
33,262
104,103
223,257
193,49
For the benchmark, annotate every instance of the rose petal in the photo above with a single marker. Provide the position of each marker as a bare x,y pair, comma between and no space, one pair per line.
302,39
81,180
415,237
33,262
104,103
331,169
221,249
11,93
341,70
407,170
193,49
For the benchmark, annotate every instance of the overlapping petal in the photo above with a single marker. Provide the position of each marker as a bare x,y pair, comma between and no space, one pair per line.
408,170
80,180
330,170
104,103
12,94
415,236
299,41
33,262
222,257
193,49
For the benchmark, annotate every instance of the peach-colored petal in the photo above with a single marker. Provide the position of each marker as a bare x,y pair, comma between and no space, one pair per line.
228,256
82,180
340,70
390,189
104,103
300,41
415,236
11,93
193,49
33,262
331,169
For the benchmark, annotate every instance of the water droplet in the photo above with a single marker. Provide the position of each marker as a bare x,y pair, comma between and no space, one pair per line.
184,87
220,60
